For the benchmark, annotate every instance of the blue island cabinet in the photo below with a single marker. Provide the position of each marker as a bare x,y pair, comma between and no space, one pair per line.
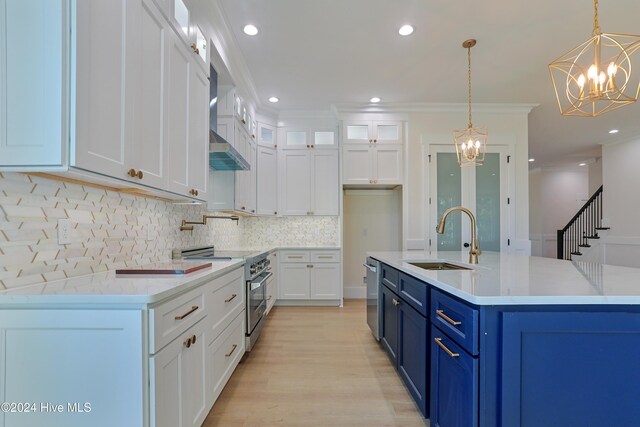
405,334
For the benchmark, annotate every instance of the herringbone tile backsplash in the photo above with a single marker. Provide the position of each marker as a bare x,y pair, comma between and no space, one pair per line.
112,230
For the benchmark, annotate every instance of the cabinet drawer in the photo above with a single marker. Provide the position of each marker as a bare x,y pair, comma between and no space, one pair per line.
456,319
225,298
389,277
170,319
327,256
223,355
294,256
414,292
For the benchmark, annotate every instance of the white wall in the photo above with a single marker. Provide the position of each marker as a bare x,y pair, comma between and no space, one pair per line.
372,222
595,175
507,126
555,196
621,204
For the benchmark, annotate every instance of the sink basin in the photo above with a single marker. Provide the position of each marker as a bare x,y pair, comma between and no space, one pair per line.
438,266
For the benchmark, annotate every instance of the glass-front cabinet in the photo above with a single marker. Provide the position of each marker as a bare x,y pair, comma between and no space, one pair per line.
308,138
266,135
372,132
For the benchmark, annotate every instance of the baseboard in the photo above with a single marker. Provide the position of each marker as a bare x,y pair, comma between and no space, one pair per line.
359,292
308,303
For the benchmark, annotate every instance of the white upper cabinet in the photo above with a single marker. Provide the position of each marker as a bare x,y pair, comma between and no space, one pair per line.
372,132
309,182
245,199
299,138
267,181
198,133
372,153
33,88
323,139
105,84
267,135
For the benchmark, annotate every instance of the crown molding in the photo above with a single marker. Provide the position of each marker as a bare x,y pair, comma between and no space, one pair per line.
428,107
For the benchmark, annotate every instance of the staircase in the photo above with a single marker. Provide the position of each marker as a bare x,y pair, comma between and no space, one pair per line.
583,228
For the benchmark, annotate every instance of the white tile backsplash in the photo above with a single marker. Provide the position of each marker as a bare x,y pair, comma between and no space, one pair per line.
110,230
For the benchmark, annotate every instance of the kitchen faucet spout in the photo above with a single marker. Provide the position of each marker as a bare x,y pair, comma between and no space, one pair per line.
475,247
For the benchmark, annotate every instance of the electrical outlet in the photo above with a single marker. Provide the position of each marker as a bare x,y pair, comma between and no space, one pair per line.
64,231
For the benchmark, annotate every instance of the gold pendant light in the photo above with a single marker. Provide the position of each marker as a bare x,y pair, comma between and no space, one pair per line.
471,143
595,77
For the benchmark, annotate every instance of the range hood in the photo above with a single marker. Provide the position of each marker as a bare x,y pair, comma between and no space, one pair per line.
222,155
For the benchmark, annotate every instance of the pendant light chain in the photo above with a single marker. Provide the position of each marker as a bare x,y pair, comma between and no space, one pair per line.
596,23
469,64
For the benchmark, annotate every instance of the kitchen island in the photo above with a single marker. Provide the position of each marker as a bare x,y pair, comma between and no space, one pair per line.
514,340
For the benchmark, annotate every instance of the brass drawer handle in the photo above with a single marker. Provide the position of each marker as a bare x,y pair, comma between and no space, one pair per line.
232,350
187,343
193,308
231,299
295,257
325,256
444,347
447,318
395,301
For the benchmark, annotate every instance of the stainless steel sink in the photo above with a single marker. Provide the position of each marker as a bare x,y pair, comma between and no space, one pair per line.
438,266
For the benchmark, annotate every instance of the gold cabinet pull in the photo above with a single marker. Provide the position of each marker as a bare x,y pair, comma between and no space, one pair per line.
193,308
140,174
447,318
195,48
243,208
444,347
132,173
231,298
395,301
193,339
232,350
325,256
187,343
295,256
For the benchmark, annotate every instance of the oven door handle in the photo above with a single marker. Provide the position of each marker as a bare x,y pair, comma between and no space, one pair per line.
258,284
371,268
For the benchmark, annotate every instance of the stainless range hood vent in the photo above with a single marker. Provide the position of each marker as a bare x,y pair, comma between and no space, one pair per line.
222,155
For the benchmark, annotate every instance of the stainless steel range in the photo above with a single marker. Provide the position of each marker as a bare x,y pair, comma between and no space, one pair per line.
256,274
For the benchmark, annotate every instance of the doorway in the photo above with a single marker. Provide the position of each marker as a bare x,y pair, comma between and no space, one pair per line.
372,222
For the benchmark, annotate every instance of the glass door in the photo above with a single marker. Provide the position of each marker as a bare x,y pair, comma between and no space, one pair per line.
484,190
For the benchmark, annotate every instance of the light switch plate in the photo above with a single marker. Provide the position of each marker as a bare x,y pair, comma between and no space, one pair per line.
64,232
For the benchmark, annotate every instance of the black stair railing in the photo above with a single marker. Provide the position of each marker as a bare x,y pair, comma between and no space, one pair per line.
582,227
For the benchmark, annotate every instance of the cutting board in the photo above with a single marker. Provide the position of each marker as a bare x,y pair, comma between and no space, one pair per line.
165,268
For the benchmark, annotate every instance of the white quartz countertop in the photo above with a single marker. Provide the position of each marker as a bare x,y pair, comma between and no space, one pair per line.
501,279
109,288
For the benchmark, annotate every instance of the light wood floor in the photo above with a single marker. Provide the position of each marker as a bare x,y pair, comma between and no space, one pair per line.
316,366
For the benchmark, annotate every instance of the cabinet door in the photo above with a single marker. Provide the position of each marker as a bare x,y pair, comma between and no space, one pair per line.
148,150
294,138
357,165
454,384
294,281
105,84
178,381
325,182
387,132
253,176
359,132
387,164
193,379
323,139
570,369
325,281
389,337
198,130
267,181
266,135
178,117
413,354
243,178
294,182
32,88
74,355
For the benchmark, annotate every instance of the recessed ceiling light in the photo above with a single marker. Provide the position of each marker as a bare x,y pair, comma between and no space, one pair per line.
250,30
532,160
375,100
274,99
405,30
582,164
614,131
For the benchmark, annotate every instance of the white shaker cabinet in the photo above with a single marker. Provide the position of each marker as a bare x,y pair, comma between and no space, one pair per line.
325,281
373,164
267,181
372,132
198,131
294,281
32,83
178,381
309,275
245,195
309,182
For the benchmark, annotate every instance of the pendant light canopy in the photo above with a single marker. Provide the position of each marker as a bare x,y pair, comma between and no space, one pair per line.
595,77
471,143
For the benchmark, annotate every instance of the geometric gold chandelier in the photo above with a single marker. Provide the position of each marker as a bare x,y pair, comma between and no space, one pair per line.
595,77
471,143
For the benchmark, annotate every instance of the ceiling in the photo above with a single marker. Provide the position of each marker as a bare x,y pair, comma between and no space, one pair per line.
313,54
